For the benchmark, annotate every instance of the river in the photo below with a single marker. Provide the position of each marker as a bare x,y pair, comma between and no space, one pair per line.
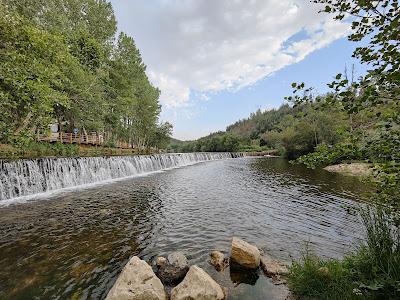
74,243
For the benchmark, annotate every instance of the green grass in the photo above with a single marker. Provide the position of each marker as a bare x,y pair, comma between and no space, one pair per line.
37,149
371,272
43,149
313,278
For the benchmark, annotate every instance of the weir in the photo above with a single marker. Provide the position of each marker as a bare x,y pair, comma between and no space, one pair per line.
28,177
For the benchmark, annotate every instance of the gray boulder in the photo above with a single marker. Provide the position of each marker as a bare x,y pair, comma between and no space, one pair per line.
137,281
197,285
174,269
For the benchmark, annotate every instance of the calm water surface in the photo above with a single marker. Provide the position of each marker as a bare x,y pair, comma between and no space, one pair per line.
73,245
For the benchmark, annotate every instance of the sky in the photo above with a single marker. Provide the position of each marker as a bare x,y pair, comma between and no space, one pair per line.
217,61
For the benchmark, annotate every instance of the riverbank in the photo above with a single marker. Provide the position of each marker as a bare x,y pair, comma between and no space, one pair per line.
270,153
359,169
44,149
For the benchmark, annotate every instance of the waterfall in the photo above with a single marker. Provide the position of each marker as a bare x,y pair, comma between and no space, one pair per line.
28,177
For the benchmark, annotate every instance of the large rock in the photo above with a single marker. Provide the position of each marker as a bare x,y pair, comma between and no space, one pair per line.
197,285
137,281
174,269
218,260
244,254
272,267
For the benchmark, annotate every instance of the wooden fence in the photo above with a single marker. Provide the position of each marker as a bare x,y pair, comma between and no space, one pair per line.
71,138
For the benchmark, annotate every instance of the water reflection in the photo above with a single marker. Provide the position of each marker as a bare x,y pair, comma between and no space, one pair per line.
74,245
239,275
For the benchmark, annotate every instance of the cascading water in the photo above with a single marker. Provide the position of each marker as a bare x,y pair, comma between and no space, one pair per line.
28,177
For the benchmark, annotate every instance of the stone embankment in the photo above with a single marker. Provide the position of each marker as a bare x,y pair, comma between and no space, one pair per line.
138,281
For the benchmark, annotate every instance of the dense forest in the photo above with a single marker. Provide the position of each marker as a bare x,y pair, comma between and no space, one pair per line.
62,63
290,130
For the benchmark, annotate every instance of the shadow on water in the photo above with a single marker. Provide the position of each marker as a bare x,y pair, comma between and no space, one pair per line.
73,245
240,275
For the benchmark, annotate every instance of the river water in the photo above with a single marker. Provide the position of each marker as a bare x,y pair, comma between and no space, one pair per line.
73,244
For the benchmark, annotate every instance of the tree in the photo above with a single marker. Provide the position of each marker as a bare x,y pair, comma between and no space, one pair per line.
59,64
378,93
162,135
35,66
378,22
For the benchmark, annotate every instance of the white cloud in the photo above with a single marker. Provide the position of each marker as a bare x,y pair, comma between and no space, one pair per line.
193,46
174,93
204,97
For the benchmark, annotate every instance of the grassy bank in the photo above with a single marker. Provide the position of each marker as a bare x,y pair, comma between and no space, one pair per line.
371,272
42,149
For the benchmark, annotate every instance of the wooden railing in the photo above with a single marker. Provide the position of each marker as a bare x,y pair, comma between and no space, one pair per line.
71,138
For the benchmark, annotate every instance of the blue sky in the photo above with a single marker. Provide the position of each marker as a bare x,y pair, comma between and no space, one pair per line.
217,61
225,108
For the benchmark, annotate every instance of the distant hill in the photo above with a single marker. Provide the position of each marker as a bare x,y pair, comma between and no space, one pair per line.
176,145
291,130
259,122
176,141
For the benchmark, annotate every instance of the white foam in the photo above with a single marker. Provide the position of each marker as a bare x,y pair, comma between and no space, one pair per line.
26,180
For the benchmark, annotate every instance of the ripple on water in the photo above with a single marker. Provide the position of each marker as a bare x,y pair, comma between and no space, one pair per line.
75,244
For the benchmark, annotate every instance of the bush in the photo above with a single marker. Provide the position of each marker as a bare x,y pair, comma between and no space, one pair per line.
51,149
372,272
376,265
325,155
38,149
313,278
110,144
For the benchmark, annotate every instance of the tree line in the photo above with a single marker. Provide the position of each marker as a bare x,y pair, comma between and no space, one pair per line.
61,62
290,131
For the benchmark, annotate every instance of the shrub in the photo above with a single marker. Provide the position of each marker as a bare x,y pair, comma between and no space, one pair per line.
313,278
327,155
372,272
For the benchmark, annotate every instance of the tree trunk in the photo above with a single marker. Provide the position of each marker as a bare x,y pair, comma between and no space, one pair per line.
24,124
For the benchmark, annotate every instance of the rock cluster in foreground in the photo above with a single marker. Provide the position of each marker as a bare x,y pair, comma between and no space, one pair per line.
137,280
